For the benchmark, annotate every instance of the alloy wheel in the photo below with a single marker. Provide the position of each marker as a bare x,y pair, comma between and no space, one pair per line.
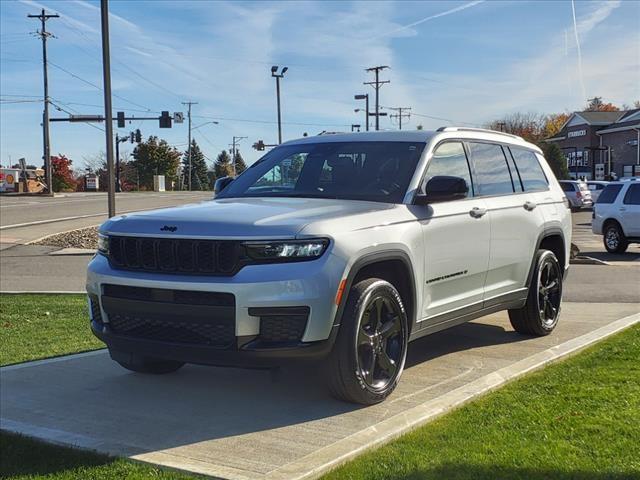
380,342
549,292
612,238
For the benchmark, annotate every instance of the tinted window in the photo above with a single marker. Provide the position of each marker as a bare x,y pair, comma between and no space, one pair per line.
609,194
529,169
633,195
492,176
374,171
567,187
449,159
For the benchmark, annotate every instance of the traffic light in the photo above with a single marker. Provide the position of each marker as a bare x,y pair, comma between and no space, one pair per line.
120,116
259,145
132,137
138,136
165,119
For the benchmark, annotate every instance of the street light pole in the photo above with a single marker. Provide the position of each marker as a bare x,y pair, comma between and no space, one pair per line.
278,76
365,97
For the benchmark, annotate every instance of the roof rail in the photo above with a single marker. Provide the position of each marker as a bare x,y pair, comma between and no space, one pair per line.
480,130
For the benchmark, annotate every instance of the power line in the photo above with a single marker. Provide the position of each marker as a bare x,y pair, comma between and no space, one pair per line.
97,87
79,32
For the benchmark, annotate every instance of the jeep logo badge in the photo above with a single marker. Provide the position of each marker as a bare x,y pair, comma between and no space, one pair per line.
168,228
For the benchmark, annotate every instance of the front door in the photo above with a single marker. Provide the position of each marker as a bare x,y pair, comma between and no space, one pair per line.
456,239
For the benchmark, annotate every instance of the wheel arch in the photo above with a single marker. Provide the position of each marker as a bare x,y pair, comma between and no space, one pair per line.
612,221
393,266
551,239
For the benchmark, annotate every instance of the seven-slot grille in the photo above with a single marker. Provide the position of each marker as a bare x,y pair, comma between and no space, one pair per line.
175,255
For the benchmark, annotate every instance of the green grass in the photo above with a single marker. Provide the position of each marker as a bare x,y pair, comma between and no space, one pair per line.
40,326
26,459
579,419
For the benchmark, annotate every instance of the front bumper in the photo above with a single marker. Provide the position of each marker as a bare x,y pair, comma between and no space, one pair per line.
309,285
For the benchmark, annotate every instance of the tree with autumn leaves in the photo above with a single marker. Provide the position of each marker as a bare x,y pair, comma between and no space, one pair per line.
63,177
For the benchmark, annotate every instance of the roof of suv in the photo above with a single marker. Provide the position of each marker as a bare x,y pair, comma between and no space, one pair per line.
413,136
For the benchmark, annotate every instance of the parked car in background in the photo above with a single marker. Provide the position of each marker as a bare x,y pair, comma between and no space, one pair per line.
577,193
616,215
596,187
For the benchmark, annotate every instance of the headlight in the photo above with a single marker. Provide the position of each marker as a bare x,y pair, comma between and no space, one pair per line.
103,244
284,251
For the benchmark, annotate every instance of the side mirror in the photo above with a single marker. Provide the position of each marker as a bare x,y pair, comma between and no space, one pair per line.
443,188
221,184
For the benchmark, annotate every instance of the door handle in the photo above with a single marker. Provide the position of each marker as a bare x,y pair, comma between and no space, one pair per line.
623,209
528,206
477,212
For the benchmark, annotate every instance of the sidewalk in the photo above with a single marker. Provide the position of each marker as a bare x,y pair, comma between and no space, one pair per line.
241,424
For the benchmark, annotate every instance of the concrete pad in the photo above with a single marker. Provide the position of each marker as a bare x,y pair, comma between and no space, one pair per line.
243,424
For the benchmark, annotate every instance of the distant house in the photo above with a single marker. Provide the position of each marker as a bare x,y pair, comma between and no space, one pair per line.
599,145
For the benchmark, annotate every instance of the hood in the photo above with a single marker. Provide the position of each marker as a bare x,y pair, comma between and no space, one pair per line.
238,217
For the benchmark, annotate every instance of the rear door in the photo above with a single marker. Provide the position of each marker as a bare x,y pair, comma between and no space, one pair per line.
515,220
456,238
630,211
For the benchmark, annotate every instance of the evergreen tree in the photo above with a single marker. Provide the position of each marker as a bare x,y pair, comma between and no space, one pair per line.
222,166
239,161
199,178
557,160
156,157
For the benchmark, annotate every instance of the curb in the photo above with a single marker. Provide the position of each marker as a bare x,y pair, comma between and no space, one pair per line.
322,461
73,251
584,260
43,292
34,242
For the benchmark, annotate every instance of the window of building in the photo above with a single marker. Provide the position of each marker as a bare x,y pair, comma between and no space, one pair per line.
492,176
529,169
449,159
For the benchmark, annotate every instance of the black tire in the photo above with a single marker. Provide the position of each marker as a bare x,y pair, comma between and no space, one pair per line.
149,365
614,238
539,315
368,357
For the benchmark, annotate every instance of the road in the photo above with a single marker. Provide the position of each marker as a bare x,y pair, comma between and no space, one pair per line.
24,219
32,268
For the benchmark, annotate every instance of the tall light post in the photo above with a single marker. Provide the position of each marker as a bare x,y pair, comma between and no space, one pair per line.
278,76
364,97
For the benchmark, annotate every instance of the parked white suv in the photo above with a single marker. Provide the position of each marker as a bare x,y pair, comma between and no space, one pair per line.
616,215
339,247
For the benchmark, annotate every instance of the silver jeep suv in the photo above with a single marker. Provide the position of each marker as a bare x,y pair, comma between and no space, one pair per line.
341,248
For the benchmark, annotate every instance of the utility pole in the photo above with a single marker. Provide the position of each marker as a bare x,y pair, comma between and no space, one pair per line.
400,115
108,112
377,84
236,140
189,144
46,146
502,126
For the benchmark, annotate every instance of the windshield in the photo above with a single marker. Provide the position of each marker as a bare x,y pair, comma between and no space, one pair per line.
373,171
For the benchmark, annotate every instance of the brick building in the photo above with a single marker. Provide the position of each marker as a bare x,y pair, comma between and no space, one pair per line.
600,144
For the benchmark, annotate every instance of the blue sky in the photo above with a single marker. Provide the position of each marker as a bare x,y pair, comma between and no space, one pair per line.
464,62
